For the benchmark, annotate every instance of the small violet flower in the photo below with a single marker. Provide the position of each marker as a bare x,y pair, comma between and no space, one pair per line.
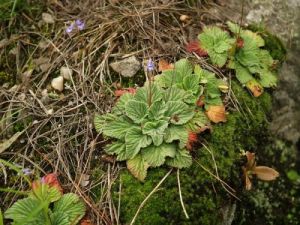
70,28
27,171
150,65
80,24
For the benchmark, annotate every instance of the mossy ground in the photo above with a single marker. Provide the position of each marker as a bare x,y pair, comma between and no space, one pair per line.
203,195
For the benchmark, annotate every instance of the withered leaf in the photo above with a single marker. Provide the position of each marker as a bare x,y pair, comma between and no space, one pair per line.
216,113
164,65
265,173
255,88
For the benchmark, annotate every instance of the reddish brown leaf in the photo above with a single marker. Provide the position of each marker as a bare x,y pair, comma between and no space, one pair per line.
216,113
192,139
164,65
265,173
85,222
120,92
52,181
200,102
239,43
194,46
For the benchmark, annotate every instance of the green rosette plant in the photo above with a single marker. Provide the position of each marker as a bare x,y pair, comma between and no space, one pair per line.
46,205
151,127
216,42
253,64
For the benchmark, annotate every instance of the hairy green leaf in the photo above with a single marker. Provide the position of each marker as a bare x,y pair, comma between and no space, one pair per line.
137,111
59,218
27,211
72,206
157,110
117,128
155,155
199,121
217,43
179,112
182,159
177,133
134,141
148,94
138,167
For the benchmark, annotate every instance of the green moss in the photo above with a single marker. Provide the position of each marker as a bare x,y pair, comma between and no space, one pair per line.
6,78
203,195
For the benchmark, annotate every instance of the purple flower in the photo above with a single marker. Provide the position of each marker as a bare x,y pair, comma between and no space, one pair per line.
150,65
70,28
80,24
27,171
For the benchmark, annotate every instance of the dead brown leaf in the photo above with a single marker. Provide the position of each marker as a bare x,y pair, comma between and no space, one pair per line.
164,65
255,88
265,173
216,113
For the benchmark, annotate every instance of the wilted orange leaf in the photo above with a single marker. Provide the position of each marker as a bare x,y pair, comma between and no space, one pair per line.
216,113
265,173
164,65
194,46
120,92
255,88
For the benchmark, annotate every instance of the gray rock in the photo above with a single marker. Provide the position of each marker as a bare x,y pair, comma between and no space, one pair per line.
127,67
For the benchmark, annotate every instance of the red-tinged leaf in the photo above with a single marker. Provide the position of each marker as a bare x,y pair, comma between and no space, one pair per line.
52,181
200,102
216,113
192,139
240,43
265,173
164,65
194,46
120,92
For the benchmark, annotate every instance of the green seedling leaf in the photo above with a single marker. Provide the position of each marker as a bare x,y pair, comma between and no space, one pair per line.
138,167
155,155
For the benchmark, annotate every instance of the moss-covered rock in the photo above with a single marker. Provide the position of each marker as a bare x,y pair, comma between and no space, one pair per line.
203,195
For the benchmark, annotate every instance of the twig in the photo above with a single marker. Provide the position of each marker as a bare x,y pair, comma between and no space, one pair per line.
180,196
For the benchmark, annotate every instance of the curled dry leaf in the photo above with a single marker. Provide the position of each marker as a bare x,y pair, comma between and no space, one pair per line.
216,113
265,173
255,88
248,183
164,65
194,46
